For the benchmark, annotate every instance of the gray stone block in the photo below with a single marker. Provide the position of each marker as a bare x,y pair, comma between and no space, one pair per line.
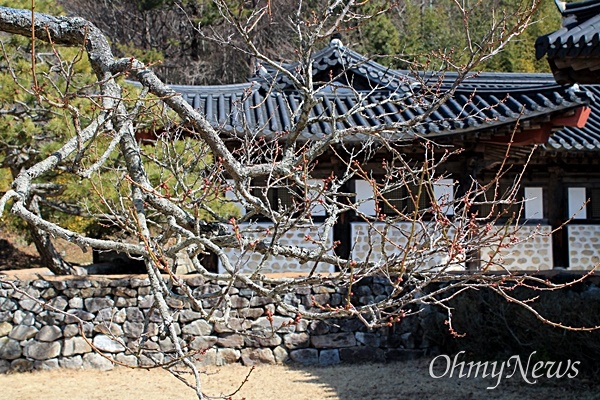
111,314
151,359
207,358
136,283
368,339
21,365
305,356
59,285
203,342
79,283
95,304
262,339
41,284
231,340
51,318
78,314
153,315
7,304
71,362
257,301
46,365
293,341
122,302
257,356
318,327
361,354
75,302
227,356
10,349
329,357
234,324
145,302
277,323
280,354
134,314
5,328
23,332
144,291
198,328
107,344
70,330
189,315
6,316
109,329
124,292
408,340
130,360
133,329
75,345
249,313
96,361
49,294
4,366
333,340
49,333
42,350
239,302
60,303
21,317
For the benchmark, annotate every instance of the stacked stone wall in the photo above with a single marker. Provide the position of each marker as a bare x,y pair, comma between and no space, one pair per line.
584,246
120,321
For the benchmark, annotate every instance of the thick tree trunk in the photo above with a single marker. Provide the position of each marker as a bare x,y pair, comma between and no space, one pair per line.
49,256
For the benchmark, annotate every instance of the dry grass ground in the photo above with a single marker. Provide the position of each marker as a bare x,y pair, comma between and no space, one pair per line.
408,380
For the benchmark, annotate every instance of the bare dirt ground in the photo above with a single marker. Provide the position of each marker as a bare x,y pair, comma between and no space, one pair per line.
406,380
16,253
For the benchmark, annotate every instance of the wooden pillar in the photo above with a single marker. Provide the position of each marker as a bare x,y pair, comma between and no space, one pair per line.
470,170
556,203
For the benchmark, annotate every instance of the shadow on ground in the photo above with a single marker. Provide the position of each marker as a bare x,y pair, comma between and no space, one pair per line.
412,380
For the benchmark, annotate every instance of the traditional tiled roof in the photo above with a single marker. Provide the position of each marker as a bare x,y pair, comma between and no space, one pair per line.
341,64
574,50
579,139
488,102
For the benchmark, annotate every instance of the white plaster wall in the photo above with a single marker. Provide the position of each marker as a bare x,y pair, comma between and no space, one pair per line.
444,192
375,243
577,198
584,246
534,203
532,253
364,197
249,261
232,197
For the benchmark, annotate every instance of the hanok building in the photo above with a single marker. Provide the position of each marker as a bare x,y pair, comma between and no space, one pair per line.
487,111
573,53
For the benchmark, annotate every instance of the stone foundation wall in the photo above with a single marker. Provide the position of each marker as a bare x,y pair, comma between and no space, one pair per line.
119,320
379,241
584,246
250,261
532,253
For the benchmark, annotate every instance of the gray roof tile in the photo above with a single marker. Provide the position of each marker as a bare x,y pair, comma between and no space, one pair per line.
482,102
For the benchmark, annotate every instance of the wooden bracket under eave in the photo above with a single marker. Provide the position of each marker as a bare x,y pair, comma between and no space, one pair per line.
576,120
